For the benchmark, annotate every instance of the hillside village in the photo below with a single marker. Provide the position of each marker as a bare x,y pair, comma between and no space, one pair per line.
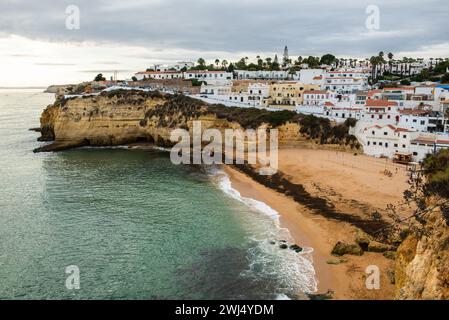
401,106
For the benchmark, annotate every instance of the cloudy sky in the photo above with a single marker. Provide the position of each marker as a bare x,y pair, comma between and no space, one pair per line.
36,47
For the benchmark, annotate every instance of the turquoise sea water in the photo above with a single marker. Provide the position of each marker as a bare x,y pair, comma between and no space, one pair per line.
136,226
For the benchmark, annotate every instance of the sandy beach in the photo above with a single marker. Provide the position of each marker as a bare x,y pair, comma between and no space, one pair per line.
355,185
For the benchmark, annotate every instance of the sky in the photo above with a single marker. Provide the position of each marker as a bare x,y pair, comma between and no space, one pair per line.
42,44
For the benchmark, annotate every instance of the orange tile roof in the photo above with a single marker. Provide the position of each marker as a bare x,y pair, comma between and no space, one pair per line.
380,103
315,91
373,92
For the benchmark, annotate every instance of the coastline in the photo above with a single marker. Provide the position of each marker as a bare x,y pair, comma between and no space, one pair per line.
344,276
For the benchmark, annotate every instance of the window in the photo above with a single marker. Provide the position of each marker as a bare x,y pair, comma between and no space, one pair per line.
386,145
395,145
423,122
404,136
380,143
415,153
403,146
385,133
374,143
368,142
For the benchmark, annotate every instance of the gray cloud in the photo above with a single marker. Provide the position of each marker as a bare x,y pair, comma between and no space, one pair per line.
54,64
106,71
307,27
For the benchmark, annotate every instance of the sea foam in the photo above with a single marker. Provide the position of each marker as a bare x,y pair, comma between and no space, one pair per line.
296,270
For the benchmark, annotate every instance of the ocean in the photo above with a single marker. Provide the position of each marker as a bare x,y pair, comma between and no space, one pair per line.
134,225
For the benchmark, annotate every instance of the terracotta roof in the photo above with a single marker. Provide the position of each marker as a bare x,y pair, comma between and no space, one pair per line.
413,111
318,78
402,130
329,104
380,103
424,139
400,89
315,91
373,92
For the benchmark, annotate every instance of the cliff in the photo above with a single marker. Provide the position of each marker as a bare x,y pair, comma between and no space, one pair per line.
127,116
422,264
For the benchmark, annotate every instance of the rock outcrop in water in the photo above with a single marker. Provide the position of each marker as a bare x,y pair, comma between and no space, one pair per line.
127,116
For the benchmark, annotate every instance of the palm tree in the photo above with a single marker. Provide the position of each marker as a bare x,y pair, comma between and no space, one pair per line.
224,64
217,62
201,62
390,60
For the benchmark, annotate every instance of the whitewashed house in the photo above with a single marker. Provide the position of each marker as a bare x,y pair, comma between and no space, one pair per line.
261,74
159,75
381,112
345,81
386,141
211,77
310,76
423,145
422,120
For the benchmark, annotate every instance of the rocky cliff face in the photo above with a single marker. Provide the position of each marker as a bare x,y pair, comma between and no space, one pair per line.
422,264
126,116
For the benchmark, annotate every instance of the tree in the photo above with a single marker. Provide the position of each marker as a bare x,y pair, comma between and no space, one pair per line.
224,64
134,78
328,59
445,78
390,60
217,62
259,63
275,65
285,58
100,77
241,64
313,62
201,62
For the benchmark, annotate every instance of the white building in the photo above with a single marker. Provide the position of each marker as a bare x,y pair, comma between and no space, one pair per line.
422,120
211,77
310,76
342,111
386,141
381,112
318,97
345,81
261,74
160,75
389,140
423,145
254,96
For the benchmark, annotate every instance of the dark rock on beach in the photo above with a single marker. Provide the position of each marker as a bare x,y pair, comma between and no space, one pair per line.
342,248
296,248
